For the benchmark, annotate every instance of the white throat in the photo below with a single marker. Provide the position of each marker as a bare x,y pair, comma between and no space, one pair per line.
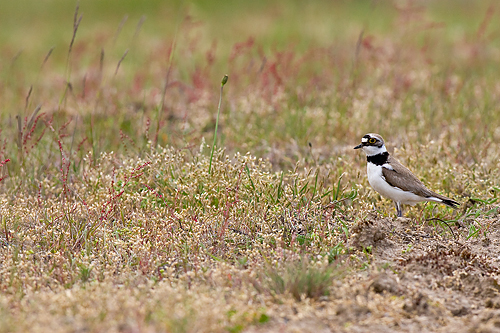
372,150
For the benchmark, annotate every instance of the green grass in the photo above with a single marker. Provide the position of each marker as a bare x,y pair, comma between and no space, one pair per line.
116,216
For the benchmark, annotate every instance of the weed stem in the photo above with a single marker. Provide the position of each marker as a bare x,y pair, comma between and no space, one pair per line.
223,82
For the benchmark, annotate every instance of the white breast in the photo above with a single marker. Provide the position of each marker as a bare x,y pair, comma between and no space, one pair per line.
377,181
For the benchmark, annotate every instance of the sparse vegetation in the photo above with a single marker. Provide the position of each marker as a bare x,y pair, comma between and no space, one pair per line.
116,215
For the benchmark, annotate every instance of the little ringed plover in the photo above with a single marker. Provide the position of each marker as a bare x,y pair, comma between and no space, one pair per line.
393,180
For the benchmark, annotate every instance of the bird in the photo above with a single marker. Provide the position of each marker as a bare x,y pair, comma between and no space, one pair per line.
392,179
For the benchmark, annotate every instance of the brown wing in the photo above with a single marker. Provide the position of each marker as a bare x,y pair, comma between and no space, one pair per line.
402,178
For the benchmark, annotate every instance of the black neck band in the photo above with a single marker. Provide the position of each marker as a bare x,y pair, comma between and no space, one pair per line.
378,159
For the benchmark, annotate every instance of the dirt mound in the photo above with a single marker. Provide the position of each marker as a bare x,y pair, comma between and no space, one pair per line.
417,281
445,283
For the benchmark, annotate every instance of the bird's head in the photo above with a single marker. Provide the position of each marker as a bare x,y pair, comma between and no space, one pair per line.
372,144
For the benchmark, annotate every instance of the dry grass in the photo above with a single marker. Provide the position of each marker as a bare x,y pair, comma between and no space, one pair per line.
115,217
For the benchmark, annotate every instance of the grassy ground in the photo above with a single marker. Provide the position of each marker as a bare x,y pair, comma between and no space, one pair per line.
115,217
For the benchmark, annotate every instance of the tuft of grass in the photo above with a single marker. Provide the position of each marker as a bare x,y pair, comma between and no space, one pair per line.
301,279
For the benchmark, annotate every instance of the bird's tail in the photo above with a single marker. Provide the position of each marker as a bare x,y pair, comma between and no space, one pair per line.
442,199
450,203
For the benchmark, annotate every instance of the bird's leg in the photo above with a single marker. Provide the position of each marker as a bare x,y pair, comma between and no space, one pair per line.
399,211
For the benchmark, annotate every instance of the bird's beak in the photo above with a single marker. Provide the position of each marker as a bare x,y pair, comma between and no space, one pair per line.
358,146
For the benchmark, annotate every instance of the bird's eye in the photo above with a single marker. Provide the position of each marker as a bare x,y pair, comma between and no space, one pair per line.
372,140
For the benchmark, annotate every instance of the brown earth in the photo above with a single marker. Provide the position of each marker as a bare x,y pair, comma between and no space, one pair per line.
418,281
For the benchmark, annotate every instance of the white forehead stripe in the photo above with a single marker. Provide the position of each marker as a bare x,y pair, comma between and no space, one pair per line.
364,139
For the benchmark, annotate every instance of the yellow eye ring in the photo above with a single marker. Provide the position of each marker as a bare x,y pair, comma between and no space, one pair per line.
372,140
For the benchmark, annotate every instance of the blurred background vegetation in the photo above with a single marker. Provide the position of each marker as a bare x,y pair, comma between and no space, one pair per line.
334,58
33,27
